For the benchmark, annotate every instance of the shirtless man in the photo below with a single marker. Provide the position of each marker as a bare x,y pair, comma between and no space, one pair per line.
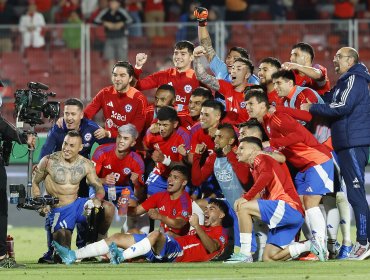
62,172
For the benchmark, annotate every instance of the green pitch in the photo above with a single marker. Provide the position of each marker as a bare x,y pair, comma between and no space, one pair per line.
30,245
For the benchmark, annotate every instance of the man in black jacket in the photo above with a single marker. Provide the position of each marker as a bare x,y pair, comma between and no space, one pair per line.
8,133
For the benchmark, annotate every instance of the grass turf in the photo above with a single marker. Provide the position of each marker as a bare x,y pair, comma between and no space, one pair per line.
30,245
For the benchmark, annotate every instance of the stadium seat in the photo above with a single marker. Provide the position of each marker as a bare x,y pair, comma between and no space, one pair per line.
9,58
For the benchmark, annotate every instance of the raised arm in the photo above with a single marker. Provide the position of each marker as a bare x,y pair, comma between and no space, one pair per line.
201,72
201,15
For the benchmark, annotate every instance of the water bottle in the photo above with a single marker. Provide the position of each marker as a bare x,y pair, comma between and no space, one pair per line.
10,246
123,202
112,196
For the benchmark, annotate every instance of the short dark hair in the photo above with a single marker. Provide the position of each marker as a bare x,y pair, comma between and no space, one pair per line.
228,127
167,113
285,74
254,87
253,123
227,220
216,105
305,48
259,95
182,169
75,102
167,87
203,92
247,62
74,133
125,64
273,61
252,140
180,45
243,52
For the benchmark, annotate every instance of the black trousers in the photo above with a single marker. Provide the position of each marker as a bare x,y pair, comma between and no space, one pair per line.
3,210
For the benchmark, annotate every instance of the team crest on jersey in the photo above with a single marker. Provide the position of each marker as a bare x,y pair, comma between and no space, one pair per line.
174,212
184,213
128,108
188,88
87,136
126,170
242,104
109,123
268,129
222,239
174,149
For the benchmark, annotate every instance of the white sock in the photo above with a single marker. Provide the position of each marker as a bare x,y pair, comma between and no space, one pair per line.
197,210
306,229
260,230
332,220
246,243
317,223
297,248
138,249
93,250
345,217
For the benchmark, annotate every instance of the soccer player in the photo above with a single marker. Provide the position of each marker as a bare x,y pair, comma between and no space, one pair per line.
163,147
116,164
312,160
272,198
267,67
306,74
222,70
121,103
203,243
62,172
181,77
234,91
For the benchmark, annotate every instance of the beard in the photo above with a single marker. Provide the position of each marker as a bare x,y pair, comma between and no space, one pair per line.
219,152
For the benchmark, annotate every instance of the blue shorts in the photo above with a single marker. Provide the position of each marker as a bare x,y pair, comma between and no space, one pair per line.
283,221
67,216
316,180
156,183
171,249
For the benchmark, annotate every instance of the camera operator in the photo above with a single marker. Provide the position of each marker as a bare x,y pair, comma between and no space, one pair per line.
8,133
62,172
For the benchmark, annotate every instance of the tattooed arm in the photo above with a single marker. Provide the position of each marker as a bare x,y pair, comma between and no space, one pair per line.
201,72
206,42
39,175
94,180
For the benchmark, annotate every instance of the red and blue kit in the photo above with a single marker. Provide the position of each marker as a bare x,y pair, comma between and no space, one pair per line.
198,136
321,86
178,208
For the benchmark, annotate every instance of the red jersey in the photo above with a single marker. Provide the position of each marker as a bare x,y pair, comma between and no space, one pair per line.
119,109
153,5
193,249
183,82
234,102
198,136
167,146
321,86
301,97
273,183
274,98
298,144
106,162
178,208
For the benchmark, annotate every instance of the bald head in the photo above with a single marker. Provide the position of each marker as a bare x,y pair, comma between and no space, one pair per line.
344,59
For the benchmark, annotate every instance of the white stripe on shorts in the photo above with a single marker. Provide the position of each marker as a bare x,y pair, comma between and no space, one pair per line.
324,177
278,214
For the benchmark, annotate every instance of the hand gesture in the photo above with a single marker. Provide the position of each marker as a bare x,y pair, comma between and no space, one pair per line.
140,60
101,133
154,214
134,178
199,51
194,220
201,14
226,149
200,148
31,141
59,122
157,156
290,66
306,106
109,179
154,128
181,150
239,203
